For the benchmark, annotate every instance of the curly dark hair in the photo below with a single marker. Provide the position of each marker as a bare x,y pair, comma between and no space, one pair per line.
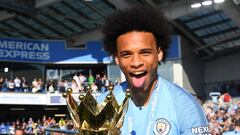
137,18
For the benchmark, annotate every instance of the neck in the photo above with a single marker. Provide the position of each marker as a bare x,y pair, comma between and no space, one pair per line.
141,97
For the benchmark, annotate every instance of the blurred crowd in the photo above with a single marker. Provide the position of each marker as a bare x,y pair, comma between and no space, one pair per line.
222,112
20,84
37,127
78,83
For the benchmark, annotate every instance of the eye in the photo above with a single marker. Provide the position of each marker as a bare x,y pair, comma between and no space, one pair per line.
146,53
125,55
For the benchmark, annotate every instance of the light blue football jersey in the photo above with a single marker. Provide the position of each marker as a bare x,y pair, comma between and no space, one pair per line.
170,111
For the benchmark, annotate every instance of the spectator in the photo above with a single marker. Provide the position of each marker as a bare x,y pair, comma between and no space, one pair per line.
17,83
11,86
3,128
19,132
51,89
1,83
24,85
61,86
62,124
98,82
77,81
105,82
40,85
50,86
70,125
236,130
82,79
74,86
227,98
94,88
90,79
35,86
215,96
12,128
5,84
66,85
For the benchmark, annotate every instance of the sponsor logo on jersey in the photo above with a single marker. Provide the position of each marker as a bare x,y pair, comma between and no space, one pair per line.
201,130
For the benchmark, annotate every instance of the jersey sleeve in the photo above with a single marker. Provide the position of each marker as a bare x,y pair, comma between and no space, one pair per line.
191,118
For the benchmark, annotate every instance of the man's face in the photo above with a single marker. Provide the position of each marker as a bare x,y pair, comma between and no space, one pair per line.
138,57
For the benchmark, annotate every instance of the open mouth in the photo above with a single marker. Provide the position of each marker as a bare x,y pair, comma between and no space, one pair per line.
138,74
138,78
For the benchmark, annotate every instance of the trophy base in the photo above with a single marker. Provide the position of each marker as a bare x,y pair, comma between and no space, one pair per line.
109,132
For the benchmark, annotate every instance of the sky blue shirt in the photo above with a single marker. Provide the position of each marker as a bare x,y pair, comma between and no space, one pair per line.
170,111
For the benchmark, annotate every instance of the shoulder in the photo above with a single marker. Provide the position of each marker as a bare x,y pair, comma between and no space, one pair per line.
122,86
180,97
176,92
188,110
118,92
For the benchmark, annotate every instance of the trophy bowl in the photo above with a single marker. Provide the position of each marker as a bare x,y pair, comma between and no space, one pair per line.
93,118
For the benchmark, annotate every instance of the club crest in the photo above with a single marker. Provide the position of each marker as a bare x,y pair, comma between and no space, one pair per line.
161,127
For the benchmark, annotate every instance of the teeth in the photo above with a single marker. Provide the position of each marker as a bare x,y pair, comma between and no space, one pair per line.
138,73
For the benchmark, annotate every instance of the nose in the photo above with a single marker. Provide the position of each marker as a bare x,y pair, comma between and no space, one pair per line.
136,62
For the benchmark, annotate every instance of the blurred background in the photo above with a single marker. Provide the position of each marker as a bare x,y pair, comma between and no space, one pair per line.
47,46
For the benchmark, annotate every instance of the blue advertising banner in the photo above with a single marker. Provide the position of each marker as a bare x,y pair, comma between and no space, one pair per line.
50,51
54,51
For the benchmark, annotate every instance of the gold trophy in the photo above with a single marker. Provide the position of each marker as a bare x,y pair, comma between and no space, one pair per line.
92,118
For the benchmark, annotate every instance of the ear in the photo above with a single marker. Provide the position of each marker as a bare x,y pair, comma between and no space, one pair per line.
116,59
160,54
